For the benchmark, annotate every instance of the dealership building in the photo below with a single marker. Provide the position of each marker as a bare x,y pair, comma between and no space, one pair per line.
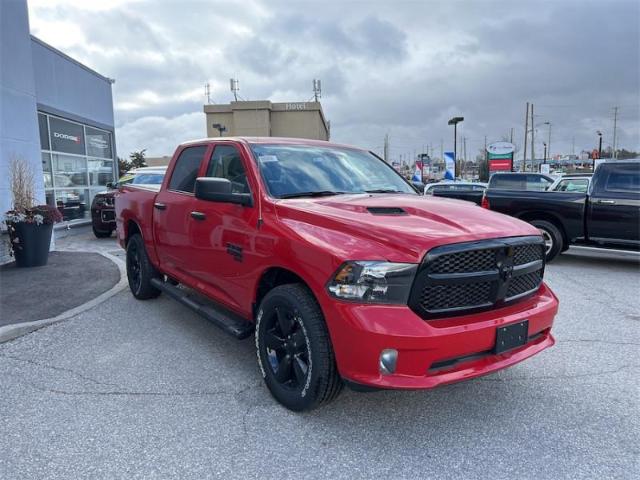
56,114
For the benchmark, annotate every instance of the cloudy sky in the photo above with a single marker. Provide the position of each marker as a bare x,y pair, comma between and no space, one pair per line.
402,68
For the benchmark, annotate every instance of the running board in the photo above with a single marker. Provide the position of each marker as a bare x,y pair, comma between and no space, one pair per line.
229,322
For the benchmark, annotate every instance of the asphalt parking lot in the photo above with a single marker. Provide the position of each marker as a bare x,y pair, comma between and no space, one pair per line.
135,389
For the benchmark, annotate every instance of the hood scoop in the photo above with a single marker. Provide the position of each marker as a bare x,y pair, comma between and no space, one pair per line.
386,211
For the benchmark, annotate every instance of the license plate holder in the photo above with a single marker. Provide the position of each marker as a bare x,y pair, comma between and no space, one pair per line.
511,336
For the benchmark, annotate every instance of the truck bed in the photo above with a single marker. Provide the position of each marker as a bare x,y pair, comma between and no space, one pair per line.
566,208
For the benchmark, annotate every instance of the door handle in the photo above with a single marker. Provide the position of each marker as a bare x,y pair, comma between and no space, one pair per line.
606,202
159,206
198,215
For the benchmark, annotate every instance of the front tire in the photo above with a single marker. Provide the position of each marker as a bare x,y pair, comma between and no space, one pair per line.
139,270
294,349
552,238
101,234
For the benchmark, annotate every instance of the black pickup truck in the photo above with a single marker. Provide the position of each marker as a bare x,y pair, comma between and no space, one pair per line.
607,216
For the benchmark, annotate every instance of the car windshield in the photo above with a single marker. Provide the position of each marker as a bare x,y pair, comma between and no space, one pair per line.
148,179
304,171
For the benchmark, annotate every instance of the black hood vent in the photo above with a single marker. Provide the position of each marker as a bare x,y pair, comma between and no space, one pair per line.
386,210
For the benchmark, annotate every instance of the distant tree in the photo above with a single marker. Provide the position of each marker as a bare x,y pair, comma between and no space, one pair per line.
137,159
625,154
123,166
483,165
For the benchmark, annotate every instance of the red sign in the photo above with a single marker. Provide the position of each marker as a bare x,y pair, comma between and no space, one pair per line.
500,165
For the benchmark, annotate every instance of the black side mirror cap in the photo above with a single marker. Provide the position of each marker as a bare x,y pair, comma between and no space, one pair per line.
215,189
111,185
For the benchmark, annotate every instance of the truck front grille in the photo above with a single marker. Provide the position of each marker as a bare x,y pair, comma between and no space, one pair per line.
471,276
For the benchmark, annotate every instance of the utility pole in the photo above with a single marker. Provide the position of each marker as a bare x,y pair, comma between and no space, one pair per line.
526,136
464,165
615,136
511,136
386,147
533,134
549,141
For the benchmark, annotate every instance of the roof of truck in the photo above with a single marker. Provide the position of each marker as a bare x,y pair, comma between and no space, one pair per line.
272,141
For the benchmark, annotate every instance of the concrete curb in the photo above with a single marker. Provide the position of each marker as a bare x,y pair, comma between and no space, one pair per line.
10,332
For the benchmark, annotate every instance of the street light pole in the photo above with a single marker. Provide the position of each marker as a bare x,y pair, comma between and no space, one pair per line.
454,121
548,139
599,149
545,153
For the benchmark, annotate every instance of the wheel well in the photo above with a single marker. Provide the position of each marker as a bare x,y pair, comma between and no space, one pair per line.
272,278
531,216
132,229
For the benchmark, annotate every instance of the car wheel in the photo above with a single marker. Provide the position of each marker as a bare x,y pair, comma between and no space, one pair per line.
101,234
139,270
294,349
553,240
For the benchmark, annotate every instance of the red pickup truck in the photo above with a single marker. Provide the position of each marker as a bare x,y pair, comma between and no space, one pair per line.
346,273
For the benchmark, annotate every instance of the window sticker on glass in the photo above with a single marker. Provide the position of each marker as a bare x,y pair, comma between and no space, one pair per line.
268,158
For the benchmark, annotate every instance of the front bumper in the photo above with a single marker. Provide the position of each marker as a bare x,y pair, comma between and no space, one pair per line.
103,218
434,352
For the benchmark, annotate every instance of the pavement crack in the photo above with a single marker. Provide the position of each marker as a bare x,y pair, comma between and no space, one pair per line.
58,369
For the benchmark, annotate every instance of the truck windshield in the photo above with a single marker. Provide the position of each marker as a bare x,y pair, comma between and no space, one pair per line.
291,171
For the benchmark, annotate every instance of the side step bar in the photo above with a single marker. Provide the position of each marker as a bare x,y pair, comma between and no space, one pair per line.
229,322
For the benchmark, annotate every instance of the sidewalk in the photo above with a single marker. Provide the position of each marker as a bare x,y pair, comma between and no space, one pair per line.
79,274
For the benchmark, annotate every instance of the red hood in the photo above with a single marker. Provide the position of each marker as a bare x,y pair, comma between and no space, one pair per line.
344,225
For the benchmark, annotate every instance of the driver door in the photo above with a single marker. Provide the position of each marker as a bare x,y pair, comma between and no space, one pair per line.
223,240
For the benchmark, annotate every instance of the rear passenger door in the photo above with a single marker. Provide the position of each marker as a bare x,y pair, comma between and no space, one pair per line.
614,204
223,241
172,213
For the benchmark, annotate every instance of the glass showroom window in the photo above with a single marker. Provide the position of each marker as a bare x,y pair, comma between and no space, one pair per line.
77,162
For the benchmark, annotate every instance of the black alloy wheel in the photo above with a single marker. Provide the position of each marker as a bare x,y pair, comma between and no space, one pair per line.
140,271
294,349
287,348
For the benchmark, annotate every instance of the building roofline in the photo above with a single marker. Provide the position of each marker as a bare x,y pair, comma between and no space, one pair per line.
110,81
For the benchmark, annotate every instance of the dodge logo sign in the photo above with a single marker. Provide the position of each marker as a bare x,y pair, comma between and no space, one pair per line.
64,136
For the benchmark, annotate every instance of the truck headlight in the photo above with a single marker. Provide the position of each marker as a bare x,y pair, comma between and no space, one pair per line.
373,282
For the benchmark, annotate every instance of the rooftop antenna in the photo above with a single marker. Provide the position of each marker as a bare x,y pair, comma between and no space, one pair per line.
317,89
207,92
235,87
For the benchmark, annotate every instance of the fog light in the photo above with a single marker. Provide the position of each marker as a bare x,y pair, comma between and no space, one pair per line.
388,359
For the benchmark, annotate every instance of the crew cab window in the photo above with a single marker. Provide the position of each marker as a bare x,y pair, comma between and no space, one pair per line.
226,162
185,172
573,185
624,179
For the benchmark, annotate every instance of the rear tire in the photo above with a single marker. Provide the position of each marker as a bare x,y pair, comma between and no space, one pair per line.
139,270
554,242
294,349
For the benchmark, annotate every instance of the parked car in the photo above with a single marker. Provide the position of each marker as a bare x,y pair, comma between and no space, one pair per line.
470,191
103,218
346,273
573,182
606,215
536,182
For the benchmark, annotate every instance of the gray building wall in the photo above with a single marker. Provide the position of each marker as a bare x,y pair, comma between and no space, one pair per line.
19,137
35,76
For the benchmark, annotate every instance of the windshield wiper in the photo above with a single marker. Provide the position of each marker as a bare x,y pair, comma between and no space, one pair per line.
319,193
384,190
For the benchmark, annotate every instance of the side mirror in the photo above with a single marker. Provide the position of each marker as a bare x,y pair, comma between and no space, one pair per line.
215,189
111,185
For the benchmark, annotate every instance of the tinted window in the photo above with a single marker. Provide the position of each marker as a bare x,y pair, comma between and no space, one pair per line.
66,136
511,181
624,178
185,172
578,185
227,163
537,183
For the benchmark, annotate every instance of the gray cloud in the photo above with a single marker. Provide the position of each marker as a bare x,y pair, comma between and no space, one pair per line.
398,67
